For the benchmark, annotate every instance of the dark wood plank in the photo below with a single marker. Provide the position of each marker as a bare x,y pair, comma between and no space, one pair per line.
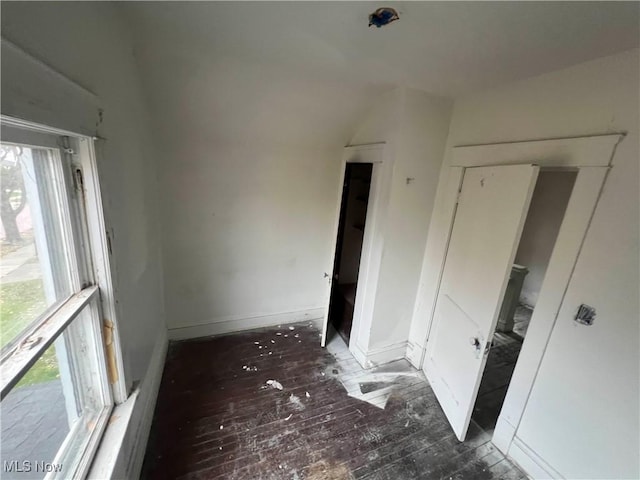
495,379
216,417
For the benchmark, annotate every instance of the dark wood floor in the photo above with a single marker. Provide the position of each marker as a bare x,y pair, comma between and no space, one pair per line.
495,381
217,416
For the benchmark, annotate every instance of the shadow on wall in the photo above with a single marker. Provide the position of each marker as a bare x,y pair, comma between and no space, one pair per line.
548,204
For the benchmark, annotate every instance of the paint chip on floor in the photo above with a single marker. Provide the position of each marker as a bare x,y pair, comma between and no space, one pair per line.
296,402
274,384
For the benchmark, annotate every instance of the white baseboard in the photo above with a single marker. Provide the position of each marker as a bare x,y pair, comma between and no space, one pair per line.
359,355
379,356
415,353
388,353
534,466
238,324
503,435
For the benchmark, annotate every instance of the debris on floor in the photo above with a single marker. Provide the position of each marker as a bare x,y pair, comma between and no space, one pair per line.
274,384
212,423
296,402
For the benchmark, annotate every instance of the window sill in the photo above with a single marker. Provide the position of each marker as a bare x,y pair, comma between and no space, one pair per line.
108,462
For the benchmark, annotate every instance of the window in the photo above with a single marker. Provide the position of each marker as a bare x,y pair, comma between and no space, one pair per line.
54,374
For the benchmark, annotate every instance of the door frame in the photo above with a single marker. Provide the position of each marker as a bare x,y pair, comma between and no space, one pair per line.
591,156
372,244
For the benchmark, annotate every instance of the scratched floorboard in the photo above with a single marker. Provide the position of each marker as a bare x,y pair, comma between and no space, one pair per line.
216,418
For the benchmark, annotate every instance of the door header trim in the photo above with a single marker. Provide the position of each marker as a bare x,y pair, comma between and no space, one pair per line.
588,151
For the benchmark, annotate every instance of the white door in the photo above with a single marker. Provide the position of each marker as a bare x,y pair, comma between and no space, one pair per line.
486,231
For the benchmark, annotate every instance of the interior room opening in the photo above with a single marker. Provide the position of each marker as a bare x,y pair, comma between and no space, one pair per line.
542,225
353,214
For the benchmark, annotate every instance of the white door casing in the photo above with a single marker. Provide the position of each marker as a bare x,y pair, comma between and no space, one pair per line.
492,208
372,242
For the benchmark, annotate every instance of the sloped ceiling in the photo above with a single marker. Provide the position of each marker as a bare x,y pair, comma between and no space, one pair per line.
305,72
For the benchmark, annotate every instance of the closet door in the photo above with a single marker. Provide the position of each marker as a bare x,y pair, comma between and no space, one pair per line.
492,208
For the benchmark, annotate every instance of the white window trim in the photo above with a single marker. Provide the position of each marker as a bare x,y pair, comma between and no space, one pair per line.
98,248
97,297
100,254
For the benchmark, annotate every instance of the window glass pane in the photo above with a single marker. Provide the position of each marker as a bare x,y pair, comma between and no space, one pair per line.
47,418
34,420
35,266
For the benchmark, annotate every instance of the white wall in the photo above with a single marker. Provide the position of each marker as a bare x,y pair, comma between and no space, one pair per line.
250,157
415,125
88,43
246,230
548,204
582,417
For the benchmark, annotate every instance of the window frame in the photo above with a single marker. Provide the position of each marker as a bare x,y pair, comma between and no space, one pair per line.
89,244
77,272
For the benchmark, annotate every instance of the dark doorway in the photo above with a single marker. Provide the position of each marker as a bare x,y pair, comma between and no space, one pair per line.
353,214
